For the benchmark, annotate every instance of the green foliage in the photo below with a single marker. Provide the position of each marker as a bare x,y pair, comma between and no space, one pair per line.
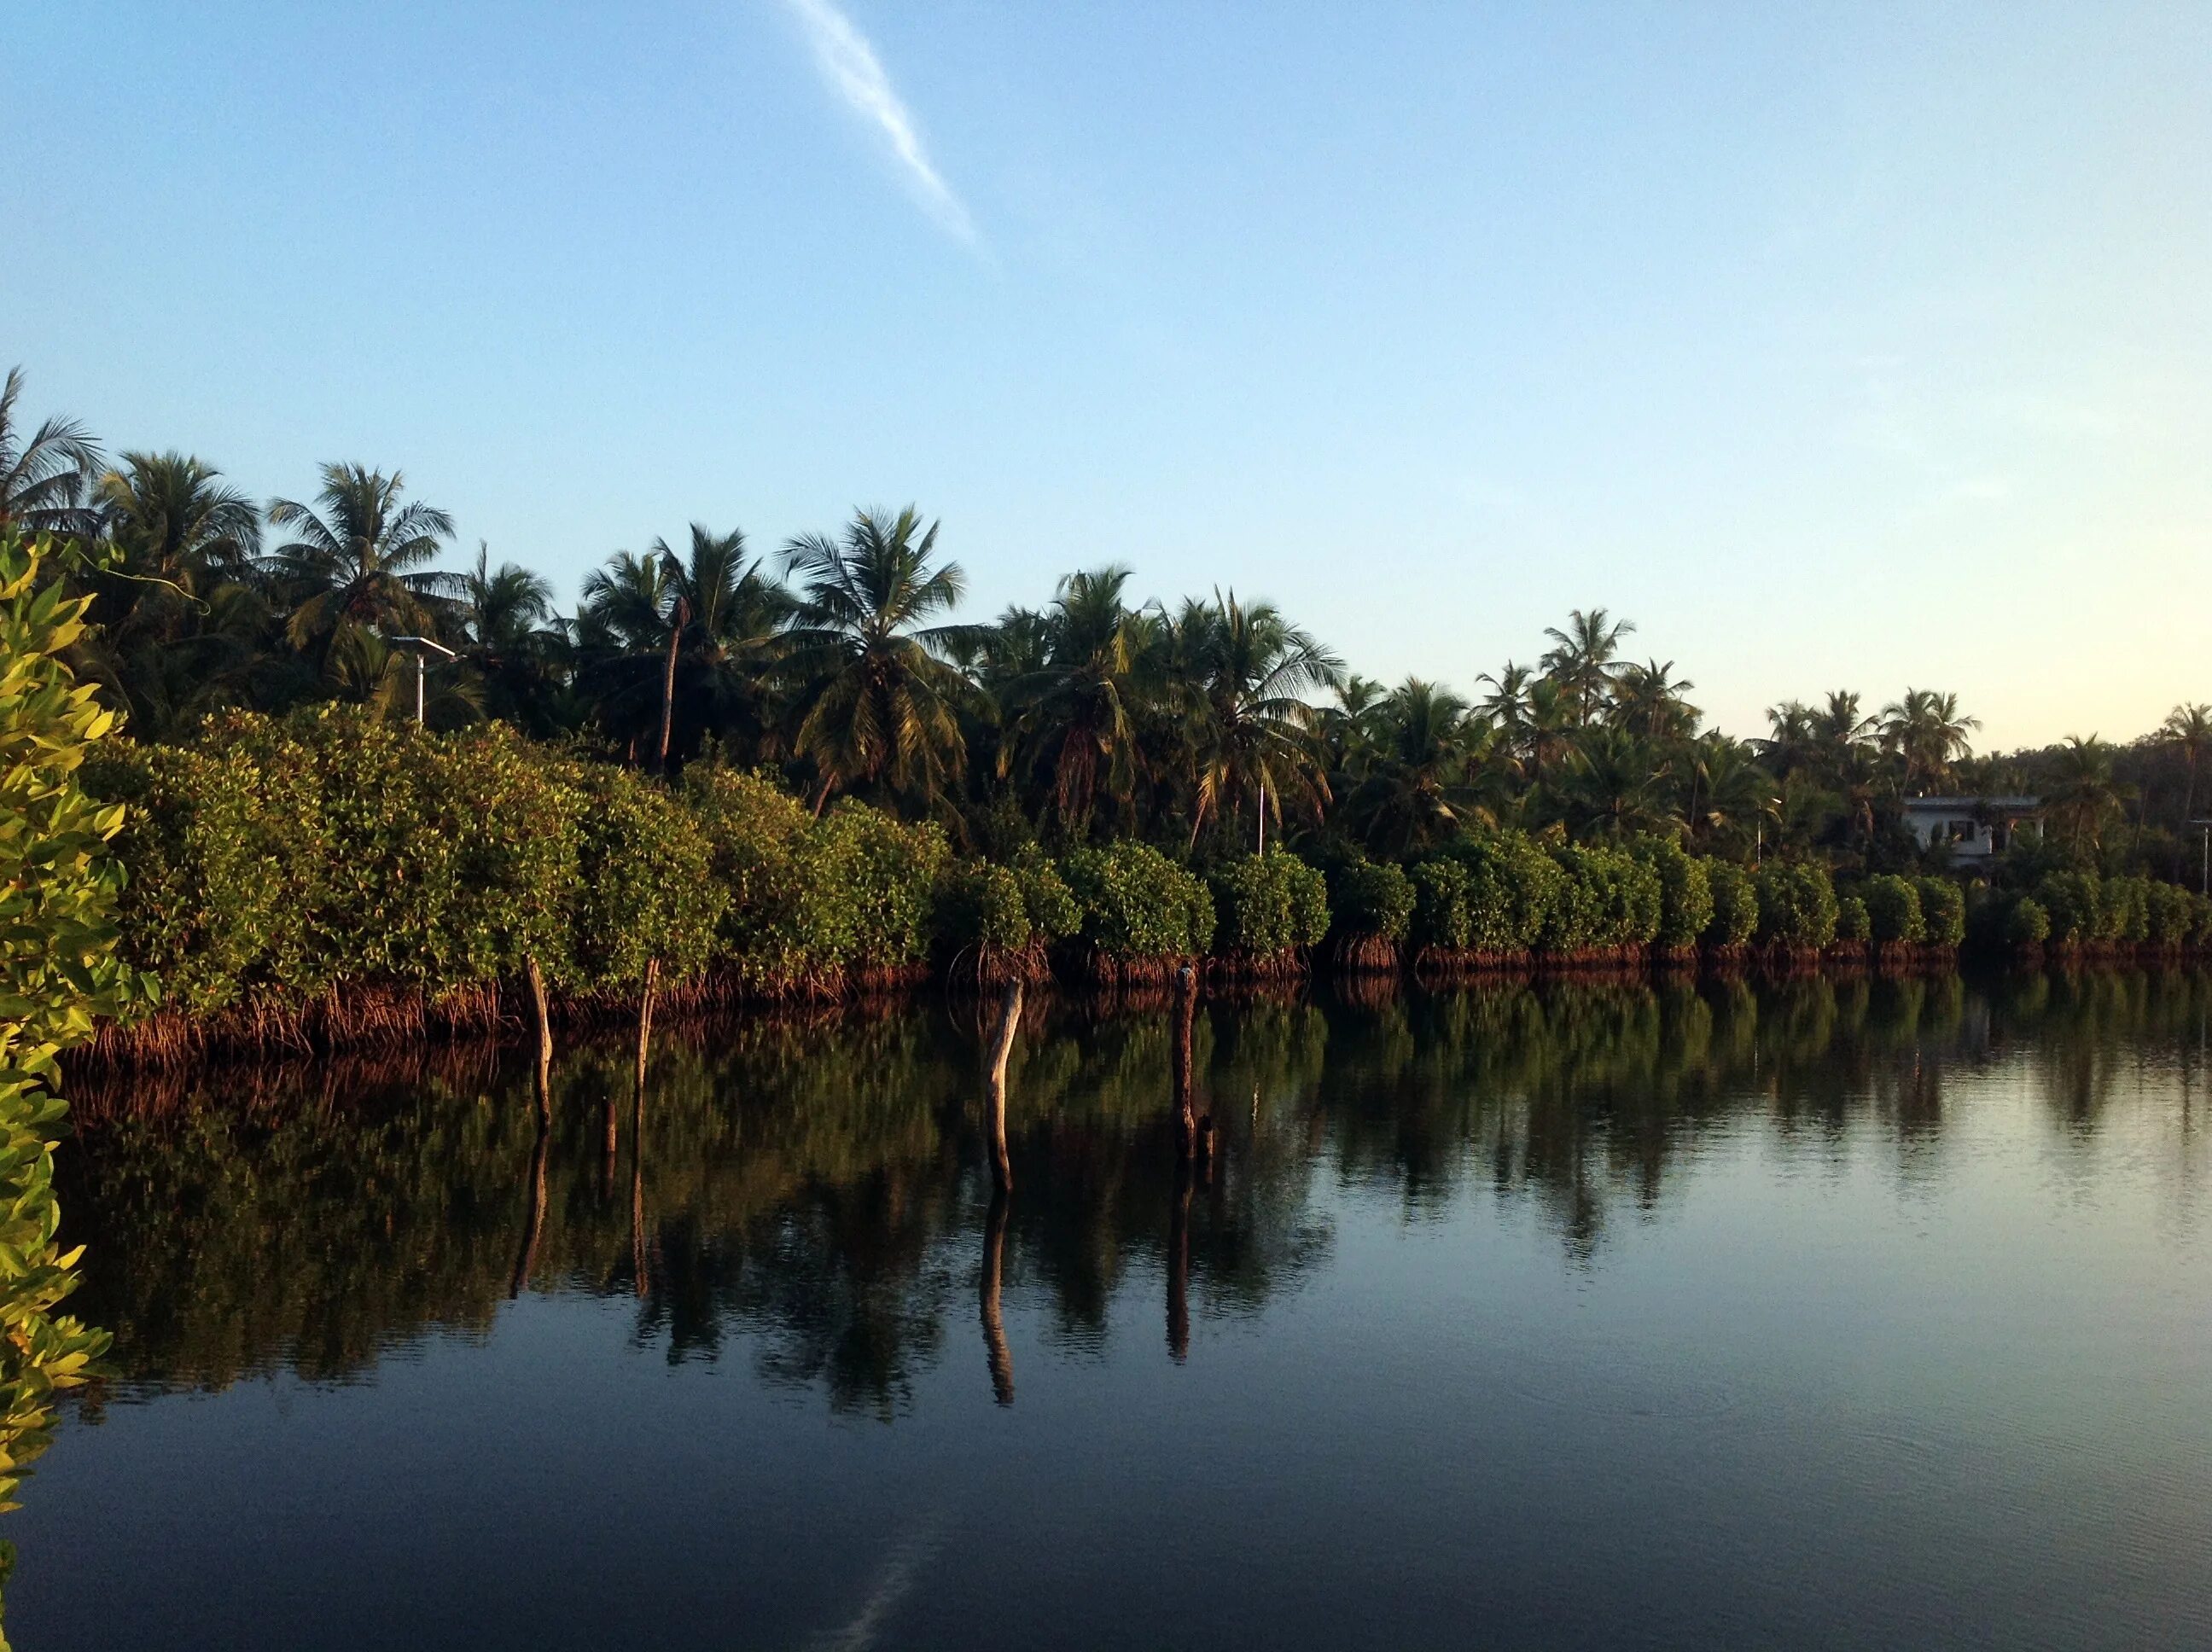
983,908
1046,901
1370,898
1853,923
1735,906
1509,889
284,858
1685,892
1893,915
1943,911
1607,900
1442,915
645,889
2027,924
1007,910
2071,900
1269,903
1796,906
2124,911
814,902
1138,905
58,883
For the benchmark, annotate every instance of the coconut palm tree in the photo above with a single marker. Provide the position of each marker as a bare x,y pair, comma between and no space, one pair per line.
171,518
1074,716
359,560
731,614
878,701
1506,705
179,622
2188,730
44,476
514,640
1792,737
2086,795
623,628
1423,778
1614,786
1650,702
1248,732
1926,731
1582,657
1725,794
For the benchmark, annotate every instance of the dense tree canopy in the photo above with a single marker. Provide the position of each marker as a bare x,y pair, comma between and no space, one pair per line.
1206,726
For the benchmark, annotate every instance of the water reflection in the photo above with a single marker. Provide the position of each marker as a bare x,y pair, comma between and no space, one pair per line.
822,1190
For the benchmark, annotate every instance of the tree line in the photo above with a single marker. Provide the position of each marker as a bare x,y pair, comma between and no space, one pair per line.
1206,726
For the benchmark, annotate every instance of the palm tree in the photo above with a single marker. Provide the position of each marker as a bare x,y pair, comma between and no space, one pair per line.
1423,778
2086,795
1352,727
1726,794
730,617
624,628
44,477
513,638
1929,733
1839,726
1248,732
1582,658
1547,735
1792,737
180,621
1614,787
878,702
1650,701
2188,730
1506,705
172,520
359,560
1074,715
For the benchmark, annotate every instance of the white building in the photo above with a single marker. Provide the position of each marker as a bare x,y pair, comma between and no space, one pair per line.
1973,829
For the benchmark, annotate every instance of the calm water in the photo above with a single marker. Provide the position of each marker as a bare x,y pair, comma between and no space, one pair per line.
1852,1314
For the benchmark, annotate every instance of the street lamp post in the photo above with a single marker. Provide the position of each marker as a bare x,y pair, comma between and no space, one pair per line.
419,646
2205,827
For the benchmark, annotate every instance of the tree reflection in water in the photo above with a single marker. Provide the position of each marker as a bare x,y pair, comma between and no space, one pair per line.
819,1191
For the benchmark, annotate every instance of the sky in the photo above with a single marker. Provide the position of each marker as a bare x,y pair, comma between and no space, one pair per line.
1865,345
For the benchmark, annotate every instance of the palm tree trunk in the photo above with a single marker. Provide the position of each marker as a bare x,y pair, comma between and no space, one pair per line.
678,620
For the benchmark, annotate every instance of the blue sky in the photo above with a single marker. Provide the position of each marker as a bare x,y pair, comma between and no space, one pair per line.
1851,346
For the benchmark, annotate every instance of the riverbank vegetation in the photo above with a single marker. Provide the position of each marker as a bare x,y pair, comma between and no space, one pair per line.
803,771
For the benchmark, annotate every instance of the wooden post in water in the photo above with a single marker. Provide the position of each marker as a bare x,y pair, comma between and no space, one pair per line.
1000,1357
645,1018
1179,1057
544,1029
994,1101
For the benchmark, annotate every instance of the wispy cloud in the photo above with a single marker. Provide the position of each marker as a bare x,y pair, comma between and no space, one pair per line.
849,64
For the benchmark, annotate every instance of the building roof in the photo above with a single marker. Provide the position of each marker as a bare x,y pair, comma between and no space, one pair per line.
1963,804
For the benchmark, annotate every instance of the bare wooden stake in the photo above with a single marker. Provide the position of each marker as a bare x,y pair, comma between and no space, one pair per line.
544,1074
1002,1045
1186,1015
645,1018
